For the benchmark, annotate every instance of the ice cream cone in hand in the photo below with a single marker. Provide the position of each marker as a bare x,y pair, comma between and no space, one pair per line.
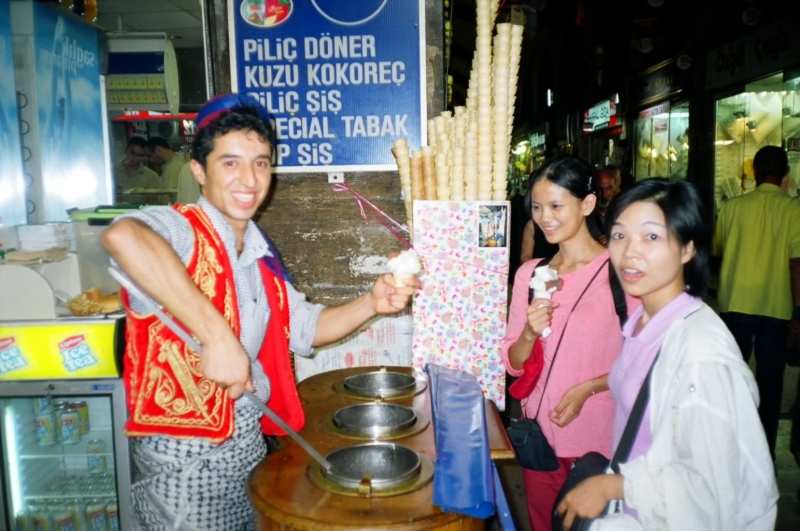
404,266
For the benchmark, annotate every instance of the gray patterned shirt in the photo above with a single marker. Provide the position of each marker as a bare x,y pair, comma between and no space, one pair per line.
253,308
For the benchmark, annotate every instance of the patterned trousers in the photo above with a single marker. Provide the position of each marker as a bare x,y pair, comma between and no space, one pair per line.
194,485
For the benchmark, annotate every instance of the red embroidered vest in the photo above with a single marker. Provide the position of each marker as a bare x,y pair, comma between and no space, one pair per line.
167,393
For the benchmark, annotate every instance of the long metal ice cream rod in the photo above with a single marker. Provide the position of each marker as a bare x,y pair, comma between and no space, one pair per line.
192,344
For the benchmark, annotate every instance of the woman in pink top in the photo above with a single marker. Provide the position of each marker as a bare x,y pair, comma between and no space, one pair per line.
563,205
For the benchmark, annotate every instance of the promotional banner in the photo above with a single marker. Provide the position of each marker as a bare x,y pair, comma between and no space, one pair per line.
382,341
460,311
342,79
56,351
12,183
70,113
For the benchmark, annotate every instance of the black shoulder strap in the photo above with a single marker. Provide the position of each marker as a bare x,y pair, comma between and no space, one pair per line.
558,345
620,304
634,421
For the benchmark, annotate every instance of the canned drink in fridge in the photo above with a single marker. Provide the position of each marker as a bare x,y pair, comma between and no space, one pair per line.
46,428
112,515
97,459
78,510
63,519
96,516
21,522
69,426
83,411
42,404
40,519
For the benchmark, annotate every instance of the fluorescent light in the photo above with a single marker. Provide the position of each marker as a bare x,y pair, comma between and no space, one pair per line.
10,429
723,142
549,98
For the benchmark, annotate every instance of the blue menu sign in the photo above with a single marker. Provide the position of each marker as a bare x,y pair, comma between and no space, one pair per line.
341,78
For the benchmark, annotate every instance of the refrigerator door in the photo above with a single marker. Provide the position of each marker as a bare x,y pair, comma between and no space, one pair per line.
65,456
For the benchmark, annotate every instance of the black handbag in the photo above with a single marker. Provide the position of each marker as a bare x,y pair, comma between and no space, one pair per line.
530,444
594,463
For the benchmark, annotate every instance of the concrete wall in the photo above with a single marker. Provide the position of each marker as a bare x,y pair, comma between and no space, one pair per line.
320,234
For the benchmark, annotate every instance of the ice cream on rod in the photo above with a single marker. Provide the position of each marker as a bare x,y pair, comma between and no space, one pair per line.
403,266
544,283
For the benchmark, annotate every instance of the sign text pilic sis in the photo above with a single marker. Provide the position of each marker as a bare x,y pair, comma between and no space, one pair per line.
285,88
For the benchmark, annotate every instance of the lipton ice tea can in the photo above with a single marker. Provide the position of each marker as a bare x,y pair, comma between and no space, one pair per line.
69,426
96,459
112,514
46,428
21,522
40,519
63,519
78,510
42,404
96,516
83,411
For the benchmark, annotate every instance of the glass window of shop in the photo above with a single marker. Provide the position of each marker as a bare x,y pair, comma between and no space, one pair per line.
76,69
662,142
767,113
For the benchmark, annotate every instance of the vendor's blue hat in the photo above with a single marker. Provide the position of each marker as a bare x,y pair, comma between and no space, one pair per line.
224,104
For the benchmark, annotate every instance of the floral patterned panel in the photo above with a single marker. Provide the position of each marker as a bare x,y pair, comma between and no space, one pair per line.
460,311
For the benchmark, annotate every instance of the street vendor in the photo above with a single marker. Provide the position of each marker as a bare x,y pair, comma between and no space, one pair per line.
193,441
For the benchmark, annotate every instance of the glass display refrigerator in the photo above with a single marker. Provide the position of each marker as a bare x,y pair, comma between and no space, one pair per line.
766,113
64,455
662,142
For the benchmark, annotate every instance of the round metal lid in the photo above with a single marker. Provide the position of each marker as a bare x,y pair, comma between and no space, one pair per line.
377,465
374,420
380,383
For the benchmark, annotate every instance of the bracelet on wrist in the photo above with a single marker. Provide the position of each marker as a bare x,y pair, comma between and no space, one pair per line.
594,391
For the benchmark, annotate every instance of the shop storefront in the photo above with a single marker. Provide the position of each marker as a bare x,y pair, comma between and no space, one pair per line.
603,133
660,120
756,101
538,142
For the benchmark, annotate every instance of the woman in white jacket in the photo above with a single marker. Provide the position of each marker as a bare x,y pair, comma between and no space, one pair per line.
700,459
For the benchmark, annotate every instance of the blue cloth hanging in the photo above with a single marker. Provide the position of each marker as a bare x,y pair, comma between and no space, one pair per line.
463,479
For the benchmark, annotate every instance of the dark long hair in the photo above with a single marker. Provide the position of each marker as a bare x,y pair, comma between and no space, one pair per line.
683,212
573,174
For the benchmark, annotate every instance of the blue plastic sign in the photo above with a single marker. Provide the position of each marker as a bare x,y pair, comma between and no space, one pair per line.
70,112
342,79
12,183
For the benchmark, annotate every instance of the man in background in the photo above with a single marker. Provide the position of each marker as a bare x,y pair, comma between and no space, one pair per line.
607,181
758,238
131,172
162,154
188,187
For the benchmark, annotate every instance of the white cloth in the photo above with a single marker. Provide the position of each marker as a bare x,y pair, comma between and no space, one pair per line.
709,467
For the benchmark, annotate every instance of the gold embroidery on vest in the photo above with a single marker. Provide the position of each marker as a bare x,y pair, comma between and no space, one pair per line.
165,396
229,315
280,292
207,265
